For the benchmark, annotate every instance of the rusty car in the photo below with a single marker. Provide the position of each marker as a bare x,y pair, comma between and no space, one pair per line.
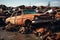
25,18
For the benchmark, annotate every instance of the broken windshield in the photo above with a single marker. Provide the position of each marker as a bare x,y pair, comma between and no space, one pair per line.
29,11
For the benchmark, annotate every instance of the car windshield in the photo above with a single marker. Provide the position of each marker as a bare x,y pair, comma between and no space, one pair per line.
29,11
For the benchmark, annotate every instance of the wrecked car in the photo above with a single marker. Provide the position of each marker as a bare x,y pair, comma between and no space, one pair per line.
25,18
58,14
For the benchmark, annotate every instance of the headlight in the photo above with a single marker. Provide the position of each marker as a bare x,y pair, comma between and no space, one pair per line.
6,21
36,18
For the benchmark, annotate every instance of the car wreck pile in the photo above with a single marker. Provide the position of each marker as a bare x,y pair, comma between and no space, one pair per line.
24,20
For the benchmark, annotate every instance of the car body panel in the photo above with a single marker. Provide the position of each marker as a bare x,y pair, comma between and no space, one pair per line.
20,20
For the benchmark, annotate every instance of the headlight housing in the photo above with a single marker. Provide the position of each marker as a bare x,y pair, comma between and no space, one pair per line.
36,17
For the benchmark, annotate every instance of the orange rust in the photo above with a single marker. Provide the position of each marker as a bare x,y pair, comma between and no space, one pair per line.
40,29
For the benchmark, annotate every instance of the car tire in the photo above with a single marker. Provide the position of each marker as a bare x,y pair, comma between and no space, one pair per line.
28,26
28,23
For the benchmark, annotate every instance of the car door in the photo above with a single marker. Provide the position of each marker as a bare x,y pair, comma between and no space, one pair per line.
18,18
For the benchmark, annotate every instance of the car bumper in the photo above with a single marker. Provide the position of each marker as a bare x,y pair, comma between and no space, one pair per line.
41,21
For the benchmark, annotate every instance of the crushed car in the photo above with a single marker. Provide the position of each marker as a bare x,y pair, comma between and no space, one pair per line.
3,15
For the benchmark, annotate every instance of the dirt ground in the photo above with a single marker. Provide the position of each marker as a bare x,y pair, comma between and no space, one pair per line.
6,35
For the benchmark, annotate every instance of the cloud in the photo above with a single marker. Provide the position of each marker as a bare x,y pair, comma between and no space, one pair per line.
55,3
41,4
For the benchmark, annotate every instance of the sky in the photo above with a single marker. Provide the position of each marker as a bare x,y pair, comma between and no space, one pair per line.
15,3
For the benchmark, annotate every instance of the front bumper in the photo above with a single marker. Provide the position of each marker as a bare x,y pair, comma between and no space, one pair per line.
40,21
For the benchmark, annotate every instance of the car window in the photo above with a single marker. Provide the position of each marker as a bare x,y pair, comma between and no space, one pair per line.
29,11
16,13
19,13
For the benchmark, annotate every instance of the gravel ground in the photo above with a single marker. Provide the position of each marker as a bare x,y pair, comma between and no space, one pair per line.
5,35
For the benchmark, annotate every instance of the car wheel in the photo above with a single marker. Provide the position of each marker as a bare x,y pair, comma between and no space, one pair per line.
28,26
28,23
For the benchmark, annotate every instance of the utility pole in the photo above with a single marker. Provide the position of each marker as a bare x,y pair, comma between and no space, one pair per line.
49,4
